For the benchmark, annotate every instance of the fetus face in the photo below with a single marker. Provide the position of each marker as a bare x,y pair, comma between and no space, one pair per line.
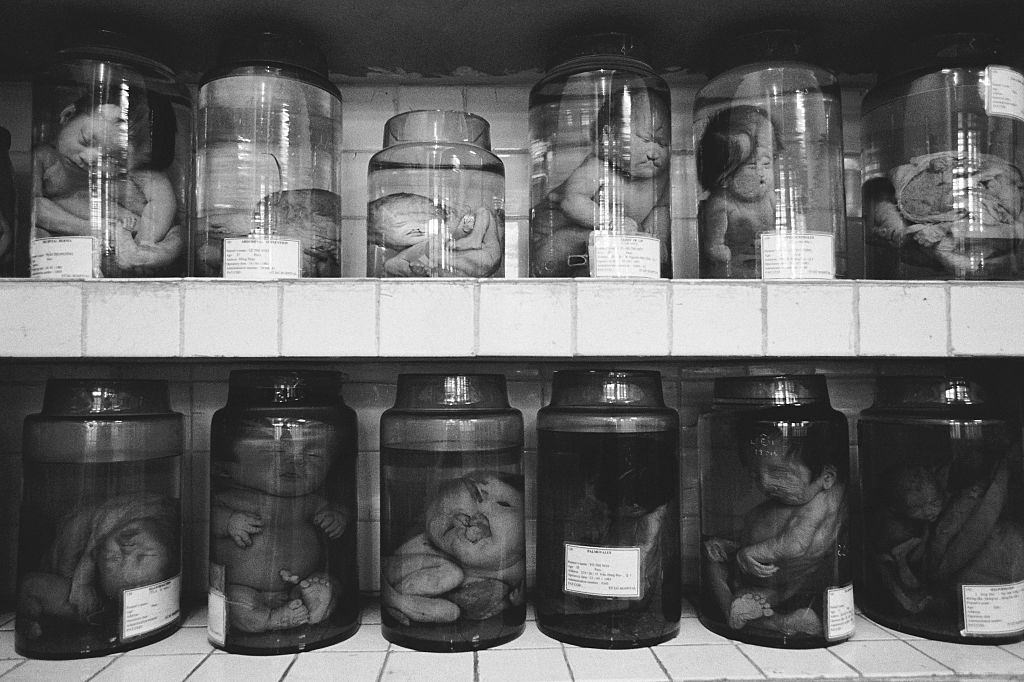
788,480
478,520
93,136
131,556
752,180
646,154
286,466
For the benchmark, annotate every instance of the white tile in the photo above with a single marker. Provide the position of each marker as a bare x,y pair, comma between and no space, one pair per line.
523,665
610,665
8,665
810,318
427,667
41,319
532,638
329,318
158,668
132,318
184,641
507,110
411,97
365,110
972,660
354,166
329,665
427,318
517,184
234,319
712,662
692,631
986,319
7,644
717,318
887,659
221,666
801,663
52,671
353,246
522,318
865,629
627,317
903,319
517,248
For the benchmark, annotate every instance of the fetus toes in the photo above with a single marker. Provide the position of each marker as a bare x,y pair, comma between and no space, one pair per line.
288,576
748,607
318,596
288,616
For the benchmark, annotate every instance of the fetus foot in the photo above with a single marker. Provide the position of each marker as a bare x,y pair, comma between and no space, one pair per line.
288,616
748,607
318,596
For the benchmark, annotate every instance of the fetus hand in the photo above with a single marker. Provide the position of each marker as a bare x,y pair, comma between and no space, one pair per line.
752,566
242,526
332,521
719,549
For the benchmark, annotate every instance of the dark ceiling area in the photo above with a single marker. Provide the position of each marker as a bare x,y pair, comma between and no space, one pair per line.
460,38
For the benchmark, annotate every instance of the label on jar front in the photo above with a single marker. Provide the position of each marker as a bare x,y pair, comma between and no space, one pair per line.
259,258
624,255
993,610
1003,91
802,255
839,613
62,257
603,571
150,607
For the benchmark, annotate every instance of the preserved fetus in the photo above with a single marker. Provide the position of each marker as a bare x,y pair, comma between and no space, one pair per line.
469,561
775,574
270,523
99,153
622,187
99,551
735,166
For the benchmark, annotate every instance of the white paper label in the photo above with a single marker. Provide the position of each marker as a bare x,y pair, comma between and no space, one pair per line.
624,255
804,255
256,258
603,571
1004,92
216,616
150,607
992,610
62,257
839,621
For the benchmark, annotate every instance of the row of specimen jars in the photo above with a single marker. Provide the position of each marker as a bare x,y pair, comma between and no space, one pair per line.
927,523
116,168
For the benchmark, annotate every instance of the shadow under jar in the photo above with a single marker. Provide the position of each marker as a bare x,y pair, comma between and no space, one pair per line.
608,553
941,551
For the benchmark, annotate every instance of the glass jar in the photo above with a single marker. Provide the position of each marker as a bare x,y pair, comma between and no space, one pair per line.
600,152
268,163
768,137
774,485
99,556
283,551
941,551
8,204
436,205
111,159
608,549
452,539
943,155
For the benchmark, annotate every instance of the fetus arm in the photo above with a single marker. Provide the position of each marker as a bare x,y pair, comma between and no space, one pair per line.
161,206
576,195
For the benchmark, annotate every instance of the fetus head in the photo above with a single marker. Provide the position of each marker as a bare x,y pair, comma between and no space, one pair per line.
736,153
634,133
282,458
136,553
478,519
788,470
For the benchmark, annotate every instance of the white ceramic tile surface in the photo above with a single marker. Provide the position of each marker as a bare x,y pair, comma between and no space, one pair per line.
519,319
329,318
627,318
334,665
425,667
157,668
543,665
986,319
903,320
711,662
810,319
717,319
130,319
41,319
620,665
427,318
236,319
888,659
800,663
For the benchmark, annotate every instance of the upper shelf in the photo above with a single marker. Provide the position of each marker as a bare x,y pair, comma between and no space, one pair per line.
482,37
584,318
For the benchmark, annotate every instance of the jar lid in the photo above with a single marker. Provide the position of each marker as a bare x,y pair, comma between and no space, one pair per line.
109,45
764,45
451,392
943,51
596,387
284,387
269,47
924,392
435,125
594,49
72,397
783,389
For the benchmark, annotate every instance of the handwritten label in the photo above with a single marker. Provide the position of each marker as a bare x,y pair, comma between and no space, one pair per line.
839,620
260,258
624,255
603,571
150,607
993,610
804,255
62,258
1003,90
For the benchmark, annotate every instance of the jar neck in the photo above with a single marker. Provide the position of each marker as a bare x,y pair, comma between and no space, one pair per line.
451,392
936,393
620,388
808,389
105,396
272,387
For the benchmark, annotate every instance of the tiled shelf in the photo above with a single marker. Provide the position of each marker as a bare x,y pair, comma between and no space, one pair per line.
695,654
583,318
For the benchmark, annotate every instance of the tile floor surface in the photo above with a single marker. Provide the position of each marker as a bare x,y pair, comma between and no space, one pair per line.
696,654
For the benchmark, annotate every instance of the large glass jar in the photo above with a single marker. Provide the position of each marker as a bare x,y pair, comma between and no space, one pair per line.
768,137
452,538
436,204
943,162
99,556
283,551
8,206
111,159
608,550
268,163
774,485
600,152
941,550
